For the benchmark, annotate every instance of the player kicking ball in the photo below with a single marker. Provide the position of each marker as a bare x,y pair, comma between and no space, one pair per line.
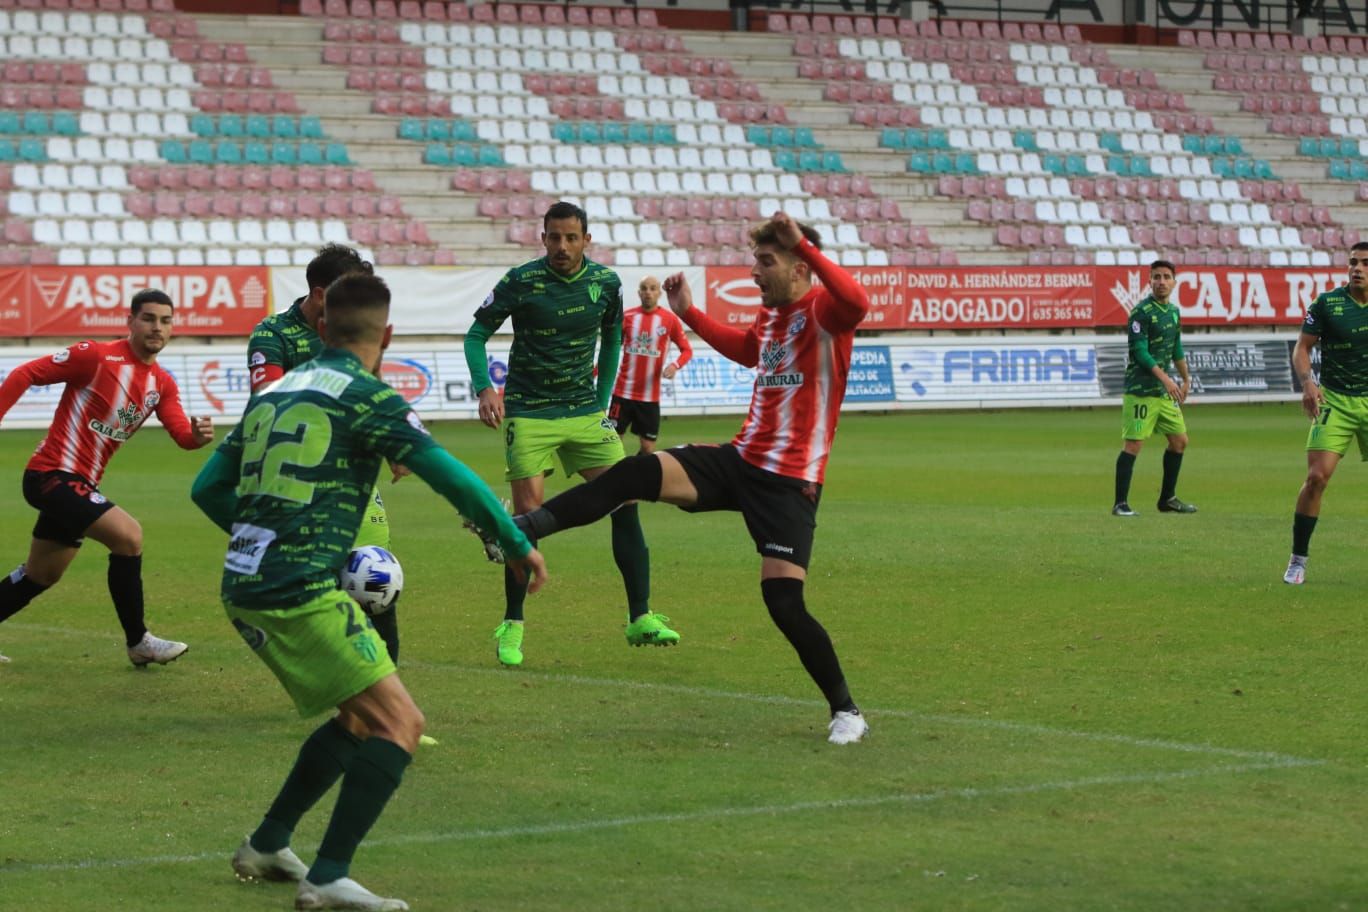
772,471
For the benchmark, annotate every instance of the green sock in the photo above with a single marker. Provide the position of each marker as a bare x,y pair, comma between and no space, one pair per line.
633,559
322,759
515,592
372,777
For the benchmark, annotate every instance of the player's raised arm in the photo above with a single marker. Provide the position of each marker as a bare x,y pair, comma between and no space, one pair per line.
738,345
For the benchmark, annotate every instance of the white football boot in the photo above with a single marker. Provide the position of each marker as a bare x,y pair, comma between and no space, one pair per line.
284,865
154,649
344,893
1296,571
847,728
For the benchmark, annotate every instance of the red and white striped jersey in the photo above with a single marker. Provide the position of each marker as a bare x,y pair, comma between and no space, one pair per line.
802,355
109,394
646,337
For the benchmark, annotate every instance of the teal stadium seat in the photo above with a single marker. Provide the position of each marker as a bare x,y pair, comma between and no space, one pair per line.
228,152
831,162
1338,169
10,124
201,152
1329,147
310,127
937,139
36,123
919,162
782,136
1193,143
1119,165
310,154
464,155
1242,168
258,126
437,154
915,139
64,123
891,138
639,134
283,127
32,150
172,151
231,125
1111,142
283,153
437,129
1308,145
203,125
589,133
785,159
1213,145
1349,148
1025,139
1263,170
463,131
1358,169
664,135
411,128
757,134
1076,166
1139,166
1234,146
1052,163
809,160
336,154
491,157
8,152
964,162
802,137
614,133
256,153
565,132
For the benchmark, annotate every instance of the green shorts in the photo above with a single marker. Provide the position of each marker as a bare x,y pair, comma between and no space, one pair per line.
1141,416
374,525
584,442
1342,419
324,651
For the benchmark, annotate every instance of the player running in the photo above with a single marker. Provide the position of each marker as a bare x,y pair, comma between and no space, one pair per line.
1337,403
561,305
647,332
772,471
111,389
292,496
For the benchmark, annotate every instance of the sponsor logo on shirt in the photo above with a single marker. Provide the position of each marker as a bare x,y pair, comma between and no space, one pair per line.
116,359
413,419
247,547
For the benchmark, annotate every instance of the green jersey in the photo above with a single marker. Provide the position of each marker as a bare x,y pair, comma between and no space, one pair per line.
1342,325
557,321
1155,338
284,339
308,452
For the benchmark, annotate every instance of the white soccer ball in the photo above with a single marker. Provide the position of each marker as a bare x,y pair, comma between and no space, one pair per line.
373,577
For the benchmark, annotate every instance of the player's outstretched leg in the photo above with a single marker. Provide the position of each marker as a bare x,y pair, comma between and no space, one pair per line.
633,478
784,599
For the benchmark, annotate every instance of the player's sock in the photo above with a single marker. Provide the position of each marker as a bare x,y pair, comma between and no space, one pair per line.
375,772
633,559
16,591
633,478
515,591
1173,463
126,589
1302,527
1125,465
784,599
387,625
322,760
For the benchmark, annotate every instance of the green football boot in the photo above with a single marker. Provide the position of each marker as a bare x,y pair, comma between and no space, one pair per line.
509,637
650,630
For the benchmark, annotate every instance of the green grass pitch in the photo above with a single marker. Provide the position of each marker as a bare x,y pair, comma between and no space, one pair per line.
1069,711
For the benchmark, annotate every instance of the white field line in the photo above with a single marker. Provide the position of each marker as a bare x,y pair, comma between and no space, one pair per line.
873,712
611,823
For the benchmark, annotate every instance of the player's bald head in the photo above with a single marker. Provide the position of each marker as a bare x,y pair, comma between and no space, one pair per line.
356,309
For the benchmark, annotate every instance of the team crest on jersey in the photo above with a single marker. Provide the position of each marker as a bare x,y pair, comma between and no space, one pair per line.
488,300
417,424
61,356
150,401
797,325
595,290
660,331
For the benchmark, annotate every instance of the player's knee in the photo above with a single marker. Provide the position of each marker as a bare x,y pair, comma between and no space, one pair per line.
784,600
44,575
1178,443
130,540
1316,479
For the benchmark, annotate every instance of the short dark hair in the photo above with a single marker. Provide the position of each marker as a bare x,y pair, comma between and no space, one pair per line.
767,234
1163,264
332,262
356,308
150,296
1361,245
564,210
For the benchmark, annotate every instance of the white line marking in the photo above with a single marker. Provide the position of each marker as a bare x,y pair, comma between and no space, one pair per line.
774,699
967,793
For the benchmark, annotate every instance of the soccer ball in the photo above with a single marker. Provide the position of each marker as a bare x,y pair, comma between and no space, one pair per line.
373,577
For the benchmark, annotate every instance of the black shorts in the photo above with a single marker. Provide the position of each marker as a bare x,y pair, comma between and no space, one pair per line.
629,413
780,512
67,505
